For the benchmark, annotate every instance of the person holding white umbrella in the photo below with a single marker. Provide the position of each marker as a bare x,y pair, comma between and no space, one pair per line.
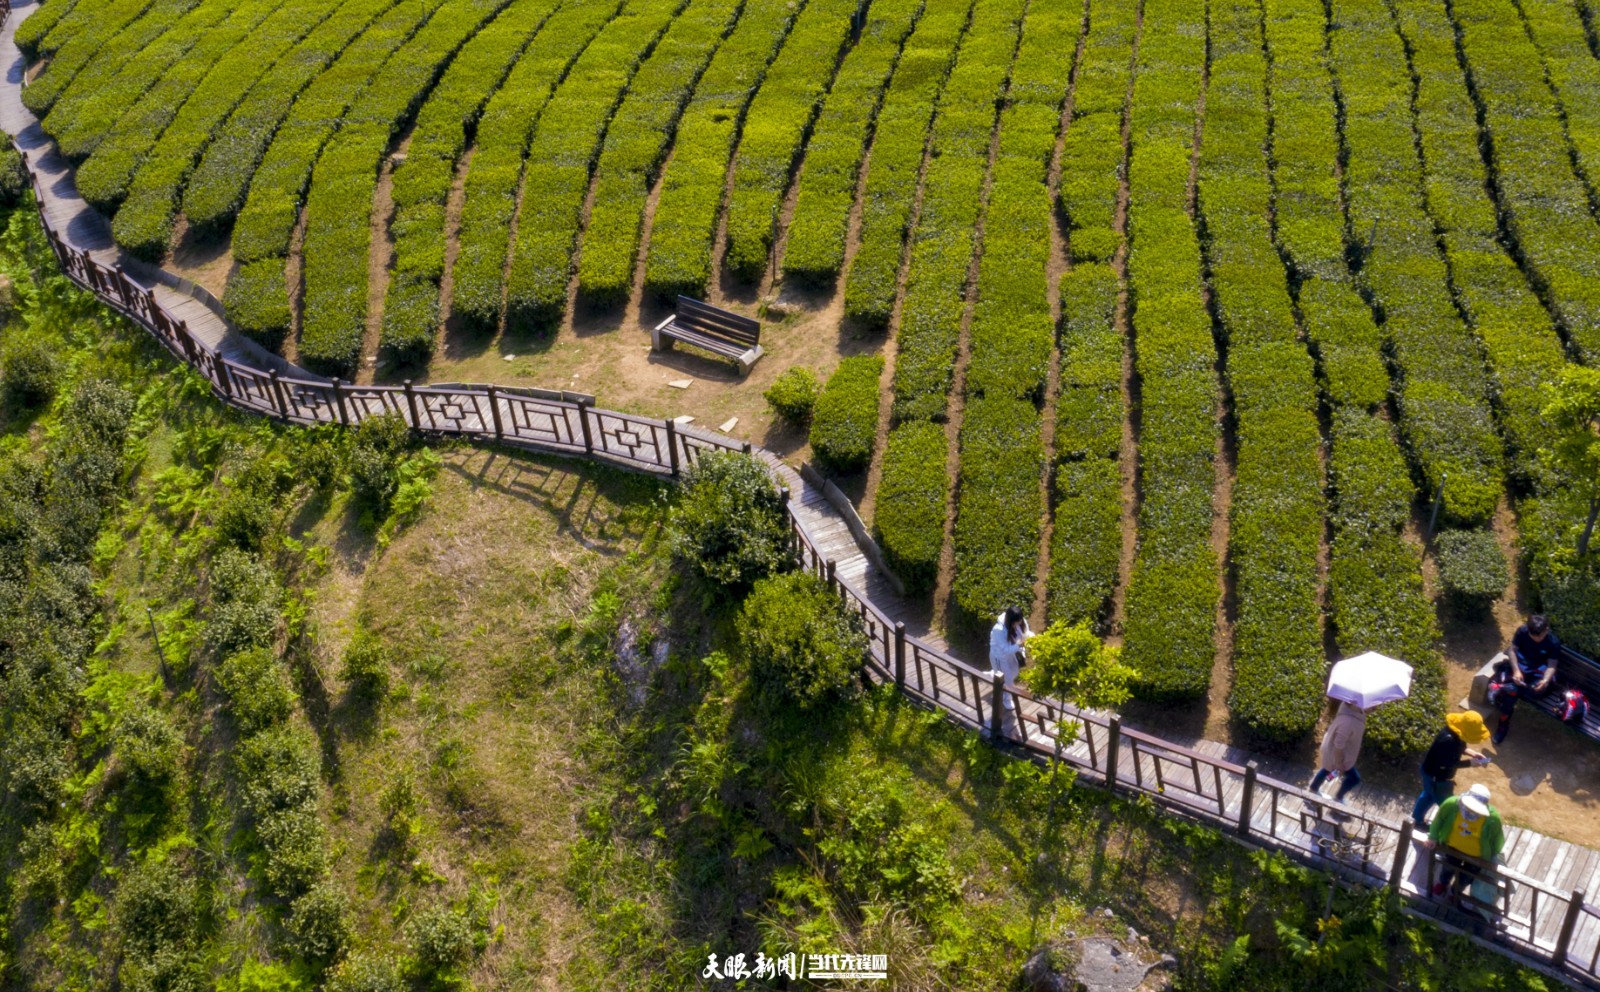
1360,685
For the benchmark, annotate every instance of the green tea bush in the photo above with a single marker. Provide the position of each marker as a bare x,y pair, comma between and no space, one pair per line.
637,141
899,138
803,646
560,159
157,908
244,603
149,749
1472,568
1092,156
1348,342
1086,542
693,182
999,507
910,515
279,769
366,665
29,372
82,35
319,924
259,691
844,428
14,185
295,843
833,155
257,301
502,136
730,525
778,123
378,447
366,973
792,394
442,941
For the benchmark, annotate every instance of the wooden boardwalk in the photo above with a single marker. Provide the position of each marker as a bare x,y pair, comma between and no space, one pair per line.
1259,799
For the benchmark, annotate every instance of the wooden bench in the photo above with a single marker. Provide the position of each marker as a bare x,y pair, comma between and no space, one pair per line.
711,329
1573,671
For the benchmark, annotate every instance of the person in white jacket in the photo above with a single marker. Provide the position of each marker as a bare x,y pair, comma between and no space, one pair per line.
1006,640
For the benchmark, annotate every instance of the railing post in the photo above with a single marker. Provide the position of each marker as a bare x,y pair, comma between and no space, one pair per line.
1568,924
672,446
583,423
411,404
219,374
900,653
830,575
338,402
1115,735
1247,798
494,412
997,683
1401,849
277,393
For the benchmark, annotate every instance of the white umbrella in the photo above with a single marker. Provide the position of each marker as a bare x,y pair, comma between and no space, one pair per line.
1370,679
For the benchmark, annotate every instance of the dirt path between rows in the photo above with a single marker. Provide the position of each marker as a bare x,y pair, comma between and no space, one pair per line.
380,254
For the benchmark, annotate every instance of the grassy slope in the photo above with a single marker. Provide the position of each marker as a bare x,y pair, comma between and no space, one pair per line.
608,822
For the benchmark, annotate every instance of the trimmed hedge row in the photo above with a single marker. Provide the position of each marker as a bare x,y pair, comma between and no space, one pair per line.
827,185
1172,596
1277,509
144,222
1000,505
562,155
945,238
1546,205
216,189
844,422
1086,543
1521,344
34,35
496,171
79,38
1093,160
900,138
1375,588
339,204
941,253
1347,343
422,182
910,515
777,126
126,67
691,190
638,139
104,176
1445,416
999,516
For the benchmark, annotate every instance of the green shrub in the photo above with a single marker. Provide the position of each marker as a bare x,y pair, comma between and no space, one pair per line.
910,514
30,372
1086,541
378,447
442,941
246,515
319,924
844,429
999,507
366,665
157,908
279,769
14,184
1472,568
244,603
792,395
149,748
803,647
730,524
295,843
257,301
259,691
366,973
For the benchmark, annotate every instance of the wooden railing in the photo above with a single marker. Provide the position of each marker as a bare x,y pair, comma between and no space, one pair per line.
1533,920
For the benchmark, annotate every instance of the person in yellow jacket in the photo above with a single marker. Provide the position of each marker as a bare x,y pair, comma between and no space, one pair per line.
1466,825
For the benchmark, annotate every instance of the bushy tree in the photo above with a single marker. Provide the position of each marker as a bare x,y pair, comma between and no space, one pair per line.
802,644
1068,662
366,973
730,523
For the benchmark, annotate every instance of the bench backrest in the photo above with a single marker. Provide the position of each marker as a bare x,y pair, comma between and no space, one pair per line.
1577,670
716,322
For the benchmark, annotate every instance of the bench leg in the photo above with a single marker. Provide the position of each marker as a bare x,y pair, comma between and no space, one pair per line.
659,341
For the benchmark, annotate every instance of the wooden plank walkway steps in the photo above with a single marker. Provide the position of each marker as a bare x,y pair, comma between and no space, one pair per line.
1547,918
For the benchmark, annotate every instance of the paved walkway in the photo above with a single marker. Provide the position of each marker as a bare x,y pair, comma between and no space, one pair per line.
1158,766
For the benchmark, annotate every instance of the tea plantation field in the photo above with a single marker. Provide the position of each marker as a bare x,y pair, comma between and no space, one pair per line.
1193,314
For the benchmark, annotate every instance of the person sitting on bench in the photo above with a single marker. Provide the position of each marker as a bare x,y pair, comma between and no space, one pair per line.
1531,668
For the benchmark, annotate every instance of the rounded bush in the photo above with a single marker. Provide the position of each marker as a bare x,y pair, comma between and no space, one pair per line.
442,940
378,446
366,666
149,748
156,908
802,645
844,429
30,372
1472,568
258,689
793,394
730,524
364,973
319,924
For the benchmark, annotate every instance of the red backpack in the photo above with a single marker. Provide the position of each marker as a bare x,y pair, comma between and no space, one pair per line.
1573,708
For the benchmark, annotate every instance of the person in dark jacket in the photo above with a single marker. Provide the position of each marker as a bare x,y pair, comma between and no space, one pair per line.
1448,754
1529,672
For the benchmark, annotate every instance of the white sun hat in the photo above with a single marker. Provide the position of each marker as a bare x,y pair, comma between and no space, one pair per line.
1477,799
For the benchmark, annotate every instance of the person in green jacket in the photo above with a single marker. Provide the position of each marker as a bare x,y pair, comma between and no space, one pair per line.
1465,825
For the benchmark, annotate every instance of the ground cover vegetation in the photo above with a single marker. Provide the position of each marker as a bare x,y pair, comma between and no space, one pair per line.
1360,294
